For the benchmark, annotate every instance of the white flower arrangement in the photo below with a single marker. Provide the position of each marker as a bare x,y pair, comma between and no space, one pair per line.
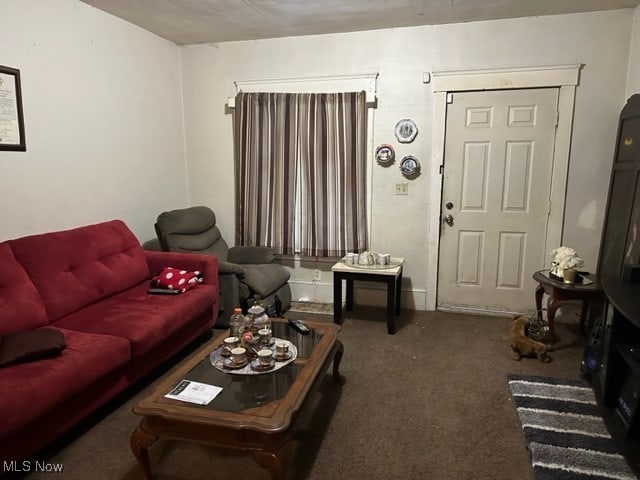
563,258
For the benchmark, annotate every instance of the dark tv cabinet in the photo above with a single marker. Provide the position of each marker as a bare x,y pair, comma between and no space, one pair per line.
616,381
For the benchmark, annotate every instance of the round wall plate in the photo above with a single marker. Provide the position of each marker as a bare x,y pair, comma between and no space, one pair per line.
385,155
406,130
409,166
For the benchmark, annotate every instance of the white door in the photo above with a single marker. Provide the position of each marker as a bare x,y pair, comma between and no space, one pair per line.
496,187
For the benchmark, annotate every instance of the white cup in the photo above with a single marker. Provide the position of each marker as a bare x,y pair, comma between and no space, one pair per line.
231,342
282,348
350,258
383,259
238,355
264,356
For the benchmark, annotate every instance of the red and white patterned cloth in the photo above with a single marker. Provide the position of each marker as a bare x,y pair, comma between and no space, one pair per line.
177,279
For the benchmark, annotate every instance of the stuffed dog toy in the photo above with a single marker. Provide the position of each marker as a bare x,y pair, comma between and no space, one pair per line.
523,346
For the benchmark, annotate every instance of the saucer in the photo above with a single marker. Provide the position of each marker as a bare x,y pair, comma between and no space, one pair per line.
256,365
224,352
227,363
282,358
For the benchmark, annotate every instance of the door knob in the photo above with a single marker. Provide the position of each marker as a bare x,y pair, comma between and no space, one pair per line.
449,219
449,205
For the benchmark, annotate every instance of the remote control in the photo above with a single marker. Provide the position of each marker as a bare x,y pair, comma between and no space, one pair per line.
163,291
299,326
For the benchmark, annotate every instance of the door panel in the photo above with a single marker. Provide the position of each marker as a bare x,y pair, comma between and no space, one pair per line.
497,173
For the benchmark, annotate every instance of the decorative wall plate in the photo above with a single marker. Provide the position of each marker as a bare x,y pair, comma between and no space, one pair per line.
385,155
409,166
406,130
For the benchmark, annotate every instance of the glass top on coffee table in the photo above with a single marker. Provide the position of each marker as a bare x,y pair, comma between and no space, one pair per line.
240,392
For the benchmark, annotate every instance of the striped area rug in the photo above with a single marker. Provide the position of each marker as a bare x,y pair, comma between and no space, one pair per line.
565,434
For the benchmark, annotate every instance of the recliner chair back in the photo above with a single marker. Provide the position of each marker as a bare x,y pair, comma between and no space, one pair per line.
191,229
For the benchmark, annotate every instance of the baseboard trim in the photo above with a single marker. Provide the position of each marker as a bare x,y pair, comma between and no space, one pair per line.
364,294
479,311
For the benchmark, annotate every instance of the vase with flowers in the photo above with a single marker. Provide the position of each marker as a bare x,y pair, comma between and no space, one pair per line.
565,264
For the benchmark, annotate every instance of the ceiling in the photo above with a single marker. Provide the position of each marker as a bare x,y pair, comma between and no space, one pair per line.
188,22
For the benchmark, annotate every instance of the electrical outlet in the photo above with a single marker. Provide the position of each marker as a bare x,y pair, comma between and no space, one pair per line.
402,189
317,274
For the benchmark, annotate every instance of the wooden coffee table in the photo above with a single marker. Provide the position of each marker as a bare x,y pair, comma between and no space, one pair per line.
253,413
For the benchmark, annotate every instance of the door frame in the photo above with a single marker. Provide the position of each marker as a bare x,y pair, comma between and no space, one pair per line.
563,77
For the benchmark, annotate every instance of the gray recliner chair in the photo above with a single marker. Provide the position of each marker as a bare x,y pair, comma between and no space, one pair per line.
245,273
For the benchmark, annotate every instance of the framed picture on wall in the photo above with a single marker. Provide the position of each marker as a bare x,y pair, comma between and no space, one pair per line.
11,119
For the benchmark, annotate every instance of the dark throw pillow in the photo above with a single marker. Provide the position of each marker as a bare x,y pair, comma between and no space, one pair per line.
29,345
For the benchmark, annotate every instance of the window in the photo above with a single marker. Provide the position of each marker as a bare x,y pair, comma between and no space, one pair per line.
300,163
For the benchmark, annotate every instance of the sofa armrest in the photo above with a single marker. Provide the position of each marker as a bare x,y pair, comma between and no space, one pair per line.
255,255
207,264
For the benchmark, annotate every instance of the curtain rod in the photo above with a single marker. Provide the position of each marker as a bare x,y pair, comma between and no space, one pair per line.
370,99
312,78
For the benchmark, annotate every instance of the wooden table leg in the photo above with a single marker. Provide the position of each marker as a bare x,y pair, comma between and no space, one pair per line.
272,461
337,298
552,306
539,294
349,300
391,297
586,308
336,362
140,442
398,292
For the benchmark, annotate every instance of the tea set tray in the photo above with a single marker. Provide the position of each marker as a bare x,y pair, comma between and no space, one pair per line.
251,367
375,266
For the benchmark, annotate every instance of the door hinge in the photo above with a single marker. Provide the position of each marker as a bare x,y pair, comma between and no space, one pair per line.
449,97
441,169
557,117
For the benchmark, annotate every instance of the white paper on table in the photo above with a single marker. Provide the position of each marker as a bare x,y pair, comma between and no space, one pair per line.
194,392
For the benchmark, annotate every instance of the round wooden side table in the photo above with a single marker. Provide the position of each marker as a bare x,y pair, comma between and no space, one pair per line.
561,293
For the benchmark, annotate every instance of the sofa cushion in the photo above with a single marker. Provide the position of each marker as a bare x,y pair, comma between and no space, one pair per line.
265,279
47,383
20,304
145,320
30,345
75,268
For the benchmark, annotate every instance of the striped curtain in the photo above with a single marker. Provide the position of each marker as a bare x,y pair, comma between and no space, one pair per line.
333,144
265,160
315,142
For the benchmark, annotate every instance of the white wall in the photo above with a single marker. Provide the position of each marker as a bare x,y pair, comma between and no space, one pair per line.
399,223
633,80
103,117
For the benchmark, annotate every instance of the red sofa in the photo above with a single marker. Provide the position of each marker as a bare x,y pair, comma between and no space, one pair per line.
89,283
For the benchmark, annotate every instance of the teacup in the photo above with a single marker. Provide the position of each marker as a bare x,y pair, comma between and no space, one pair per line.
238,355
282,348
264,356
230,343
350,258
265,336
383,259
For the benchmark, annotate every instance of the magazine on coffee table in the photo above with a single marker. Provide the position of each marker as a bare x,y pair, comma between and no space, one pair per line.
194,392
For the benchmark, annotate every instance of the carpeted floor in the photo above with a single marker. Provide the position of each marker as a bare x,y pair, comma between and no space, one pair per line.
429,402
564,432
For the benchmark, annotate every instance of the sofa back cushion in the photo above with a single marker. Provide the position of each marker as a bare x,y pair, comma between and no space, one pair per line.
75,268
20,304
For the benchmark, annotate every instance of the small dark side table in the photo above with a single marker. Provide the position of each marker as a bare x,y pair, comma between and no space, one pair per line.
391,275
561,293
